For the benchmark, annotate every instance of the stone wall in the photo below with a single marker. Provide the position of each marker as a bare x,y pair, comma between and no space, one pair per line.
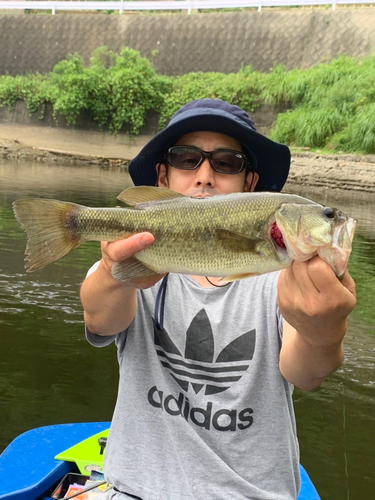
177,44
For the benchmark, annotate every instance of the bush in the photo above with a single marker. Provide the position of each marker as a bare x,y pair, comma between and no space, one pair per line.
242,88
134,90
27,88
116,89
70,88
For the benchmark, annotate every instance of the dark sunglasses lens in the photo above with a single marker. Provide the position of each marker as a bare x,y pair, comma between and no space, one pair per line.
228,162
184,158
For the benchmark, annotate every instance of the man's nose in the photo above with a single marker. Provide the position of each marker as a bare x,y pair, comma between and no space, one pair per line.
205,174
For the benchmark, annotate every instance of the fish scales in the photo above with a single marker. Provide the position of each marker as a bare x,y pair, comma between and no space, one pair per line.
105,224
194,240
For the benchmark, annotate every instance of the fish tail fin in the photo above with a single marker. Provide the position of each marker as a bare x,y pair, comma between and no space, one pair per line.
51,230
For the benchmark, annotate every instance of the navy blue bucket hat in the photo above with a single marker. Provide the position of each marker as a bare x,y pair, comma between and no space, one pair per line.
269,159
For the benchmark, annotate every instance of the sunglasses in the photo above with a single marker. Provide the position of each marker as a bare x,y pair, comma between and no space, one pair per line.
223,161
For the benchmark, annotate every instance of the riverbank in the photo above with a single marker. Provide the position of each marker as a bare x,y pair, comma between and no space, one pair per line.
347,173
341,172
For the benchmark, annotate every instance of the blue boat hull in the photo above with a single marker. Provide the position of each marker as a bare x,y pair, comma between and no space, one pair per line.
29,471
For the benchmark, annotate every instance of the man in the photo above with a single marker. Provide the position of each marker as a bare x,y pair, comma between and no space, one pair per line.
204,408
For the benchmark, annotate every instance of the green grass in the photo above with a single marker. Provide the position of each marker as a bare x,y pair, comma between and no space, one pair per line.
331,105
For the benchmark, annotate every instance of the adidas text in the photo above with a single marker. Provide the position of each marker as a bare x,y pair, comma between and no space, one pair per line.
221,420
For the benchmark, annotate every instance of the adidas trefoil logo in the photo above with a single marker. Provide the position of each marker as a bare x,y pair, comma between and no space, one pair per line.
197,366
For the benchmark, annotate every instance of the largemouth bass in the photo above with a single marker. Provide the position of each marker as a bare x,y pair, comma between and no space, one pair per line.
230,236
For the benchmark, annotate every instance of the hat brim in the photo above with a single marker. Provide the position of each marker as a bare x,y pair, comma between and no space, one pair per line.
273,159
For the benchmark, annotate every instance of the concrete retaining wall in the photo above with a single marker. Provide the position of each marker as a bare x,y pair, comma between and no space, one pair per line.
178,44
264,116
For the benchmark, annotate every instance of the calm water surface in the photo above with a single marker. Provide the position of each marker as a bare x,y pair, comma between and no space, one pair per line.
49,374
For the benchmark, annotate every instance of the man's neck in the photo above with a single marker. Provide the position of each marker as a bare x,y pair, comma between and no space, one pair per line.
204,283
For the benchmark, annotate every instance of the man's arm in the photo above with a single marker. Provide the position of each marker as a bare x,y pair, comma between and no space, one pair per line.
315,306
110,305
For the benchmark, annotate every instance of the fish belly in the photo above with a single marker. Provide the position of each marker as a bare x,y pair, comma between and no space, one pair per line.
210,259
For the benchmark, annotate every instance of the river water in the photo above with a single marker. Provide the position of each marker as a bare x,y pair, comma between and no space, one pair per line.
49,374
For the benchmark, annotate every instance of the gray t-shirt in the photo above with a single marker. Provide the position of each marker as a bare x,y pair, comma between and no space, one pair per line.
203,412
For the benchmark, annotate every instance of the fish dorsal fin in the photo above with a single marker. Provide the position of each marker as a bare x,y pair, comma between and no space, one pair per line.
236,242
136,195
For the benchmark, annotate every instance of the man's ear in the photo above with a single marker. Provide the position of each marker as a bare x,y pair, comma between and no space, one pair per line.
162,175
251,181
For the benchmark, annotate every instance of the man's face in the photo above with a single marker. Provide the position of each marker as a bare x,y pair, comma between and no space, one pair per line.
205,181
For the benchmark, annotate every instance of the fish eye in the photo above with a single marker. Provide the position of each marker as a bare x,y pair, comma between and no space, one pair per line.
328,212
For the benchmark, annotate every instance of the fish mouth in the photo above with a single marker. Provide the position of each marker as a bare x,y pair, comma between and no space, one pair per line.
337,256
335,252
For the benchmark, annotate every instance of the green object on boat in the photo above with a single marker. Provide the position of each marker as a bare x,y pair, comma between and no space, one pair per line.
88,454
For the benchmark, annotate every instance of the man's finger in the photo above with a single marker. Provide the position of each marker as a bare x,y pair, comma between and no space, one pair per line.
123,249
348,282
298,280
323,277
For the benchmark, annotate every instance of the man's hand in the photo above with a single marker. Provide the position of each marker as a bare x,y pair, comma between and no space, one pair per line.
315,302
110,305
121,250
315,305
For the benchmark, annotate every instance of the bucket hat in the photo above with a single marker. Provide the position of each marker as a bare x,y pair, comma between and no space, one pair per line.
269,159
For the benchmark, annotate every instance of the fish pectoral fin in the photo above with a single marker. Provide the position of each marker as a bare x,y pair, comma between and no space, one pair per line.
236,277
129,269
134,196
236,242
